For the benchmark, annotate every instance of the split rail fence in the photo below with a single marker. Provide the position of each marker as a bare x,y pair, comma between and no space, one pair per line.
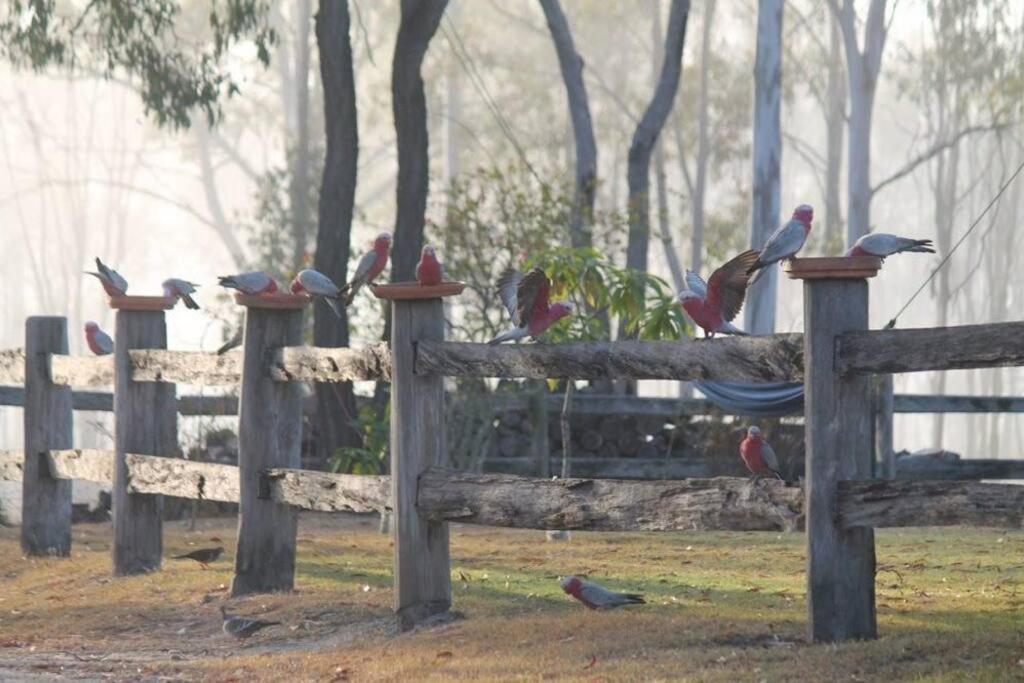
838,504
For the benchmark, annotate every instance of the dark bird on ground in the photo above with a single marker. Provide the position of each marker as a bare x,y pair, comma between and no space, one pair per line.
243,627
203,556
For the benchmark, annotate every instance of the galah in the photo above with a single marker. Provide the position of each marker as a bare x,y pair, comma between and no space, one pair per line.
370,266
99,342
714,304
882,244
758,455
787,240
526,298
254,282
319,286
243,627
181,289
113,283
429,271
597,597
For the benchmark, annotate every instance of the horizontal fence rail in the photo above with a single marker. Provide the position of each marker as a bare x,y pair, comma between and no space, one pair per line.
12,366
758,359
82,371
931,348
185,367
331,365
103,401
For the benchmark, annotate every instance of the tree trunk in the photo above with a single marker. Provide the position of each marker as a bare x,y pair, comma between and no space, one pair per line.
420,19
571,65
703,144
765,210
835,121
299,190
335,412
646,136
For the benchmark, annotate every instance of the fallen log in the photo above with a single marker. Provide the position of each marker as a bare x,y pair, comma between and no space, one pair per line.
930,503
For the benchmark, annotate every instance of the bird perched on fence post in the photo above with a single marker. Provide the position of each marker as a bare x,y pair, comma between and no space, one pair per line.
370,266
785,242
429,271
714,304
595,596
243,627
99,342
254,282
526,299
113,283
758,455
883,244
319,286
181,289
203,556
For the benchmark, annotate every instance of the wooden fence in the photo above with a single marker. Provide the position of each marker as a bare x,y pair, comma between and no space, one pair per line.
838,504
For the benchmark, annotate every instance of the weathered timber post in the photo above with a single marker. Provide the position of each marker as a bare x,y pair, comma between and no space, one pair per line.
45,500
422,571
269,435
885,456
838,414
145,421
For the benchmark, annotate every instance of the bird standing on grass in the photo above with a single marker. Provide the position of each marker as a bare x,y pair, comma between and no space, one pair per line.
181,289
99,342
714,304
243,627
526,299
785,242
758,456
112,282
598,597
203,556
370,266
883,244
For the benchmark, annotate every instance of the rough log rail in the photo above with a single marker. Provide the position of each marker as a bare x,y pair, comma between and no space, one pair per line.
12,366
933,348
82,371
770,358
974,468
12,465
327,492
610,504
186,367
930,503
331,365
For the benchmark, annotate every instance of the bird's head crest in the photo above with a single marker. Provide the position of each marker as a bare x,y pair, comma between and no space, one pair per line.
754,432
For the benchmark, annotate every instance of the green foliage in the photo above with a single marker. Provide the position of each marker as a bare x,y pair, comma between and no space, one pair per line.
369,458
140,39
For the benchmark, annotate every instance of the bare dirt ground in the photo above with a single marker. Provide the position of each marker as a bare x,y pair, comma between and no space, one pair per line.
722,607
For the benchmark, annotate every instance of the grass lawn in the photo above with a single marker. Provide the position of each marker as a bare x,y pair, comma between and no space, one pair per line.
723,607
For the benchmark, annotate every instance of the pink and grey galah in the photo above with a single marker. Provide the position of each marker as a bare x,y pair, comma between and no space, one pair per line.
597,597
254,282
181,289
526,298
429,271
758,455
883,244
713,305
99,342
113,283
319,286
785,242
371,265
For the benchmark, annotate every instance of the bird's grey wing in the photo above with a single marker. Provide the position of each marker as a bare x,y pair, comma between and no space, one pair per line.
508,290
769,456
365,263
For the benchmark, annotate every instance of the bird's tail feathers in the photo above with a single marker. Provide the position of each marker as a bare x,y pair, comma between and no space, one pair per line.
923,246
514,333
758,265
635,598
190,302
227,281
729,328
334,304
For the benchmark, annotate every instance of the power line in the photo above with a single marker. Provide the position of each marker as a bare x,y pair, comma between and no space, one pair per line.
945,259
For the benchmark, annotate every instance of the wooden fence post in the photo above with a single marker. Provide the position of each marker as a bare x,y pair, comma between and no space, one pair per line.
45,501
269,435
838,414
146,422
885,456
422,571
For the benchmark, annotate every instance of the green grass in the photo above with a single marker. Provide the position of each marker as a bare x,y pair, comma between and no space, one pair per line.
723,607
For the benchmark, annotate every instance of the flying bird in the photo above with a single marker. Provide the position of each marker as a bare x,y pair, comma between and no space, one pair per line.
319,286
254,282
597,597
758,455
181,289
113,283
99,342
883,244
370,266
526,298
429,271
787,240
243,627
714,304
203,556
